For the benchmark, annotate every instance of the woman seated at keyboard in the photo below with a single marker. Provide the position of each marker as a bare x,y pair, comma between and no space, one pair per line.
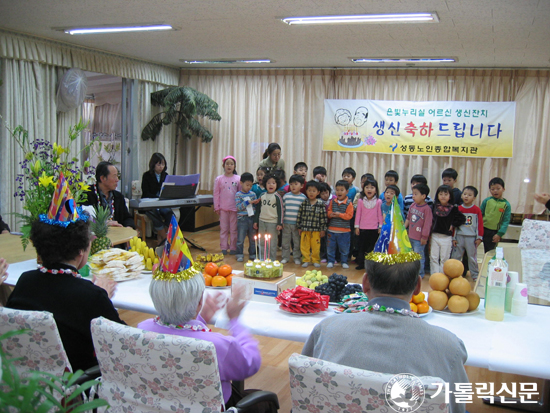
151,183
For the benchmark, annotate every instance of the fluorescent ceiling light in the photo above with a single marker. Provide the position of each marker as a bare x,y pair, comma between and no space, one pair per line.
118,29
226,62
404,60
366,18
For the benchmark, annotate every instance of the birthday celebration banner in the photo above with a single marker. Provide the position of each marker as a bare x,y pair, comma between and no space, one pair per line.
476,129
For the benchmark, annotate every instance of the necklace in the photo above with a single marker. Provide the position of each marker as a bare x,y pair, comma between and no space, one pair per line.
384,309
99,201
59,271
192,327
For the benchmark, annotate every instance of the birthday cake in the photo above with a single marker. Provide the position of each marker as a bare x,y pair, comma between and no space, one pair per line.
263,269
350,138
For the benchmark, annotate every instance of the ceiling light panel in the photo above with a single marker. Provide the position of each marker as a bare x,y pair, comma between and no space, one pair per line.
365,18
118,29
404,60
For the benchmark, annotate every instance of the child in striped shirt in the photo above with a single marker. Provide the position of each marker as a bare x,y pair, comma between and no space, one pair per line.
291,202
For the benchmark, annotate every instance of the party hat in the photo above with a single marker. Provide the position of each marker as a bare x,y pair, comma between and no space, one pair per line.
393,245
63,209
176,262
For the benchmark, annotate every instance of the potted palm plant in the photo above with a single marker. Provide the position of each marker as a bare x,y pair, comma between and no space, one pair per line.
181,106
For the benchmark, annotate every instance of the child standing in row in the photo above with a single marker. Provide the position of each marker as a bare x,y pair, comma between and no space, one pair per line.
268,218
419,222
446,217
408,200
225,189
349,175
340,212
468,236
258,188
326,196
496,214
245,199
391,179
390,192
312,224
292,201
368,220
300,169
449,177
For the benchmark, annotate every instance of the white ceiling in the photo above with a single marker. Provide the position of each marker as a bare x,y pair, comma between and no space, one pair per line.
480,33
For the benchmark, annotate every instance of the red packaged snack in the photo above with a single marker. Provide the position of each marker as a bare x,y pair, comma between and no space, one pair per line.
302,300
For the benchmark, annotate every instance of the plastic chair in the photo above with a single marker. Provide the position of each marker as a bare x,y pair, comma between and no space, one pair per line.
321,385
144,371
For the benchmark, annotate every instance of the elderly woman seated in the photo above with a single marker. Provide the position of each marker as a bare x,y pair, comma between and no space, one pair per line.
184,311
56,287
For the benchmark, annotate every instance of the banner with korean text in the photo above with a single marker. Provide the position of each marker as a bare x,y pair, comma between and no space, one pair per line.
476,129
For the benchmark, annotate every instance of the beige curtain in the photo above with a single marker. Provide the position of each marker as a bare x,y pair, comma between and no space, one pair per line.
25,47
107,119
27,94
164,143
286,106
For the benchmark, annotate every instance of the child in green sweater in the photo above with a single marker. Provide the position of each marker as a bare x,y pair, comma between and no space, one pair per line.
496,212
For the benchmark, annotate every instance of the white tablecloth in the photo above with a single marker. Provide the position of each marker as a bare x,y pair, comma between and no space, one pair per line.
518,345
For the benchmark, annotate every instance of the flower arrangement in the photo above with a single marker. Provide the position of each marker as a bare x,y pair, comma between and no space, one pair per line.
43,163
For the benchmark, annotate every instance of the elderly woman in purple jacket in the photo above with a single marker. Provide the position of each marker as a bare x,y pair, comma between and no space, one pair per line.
184,311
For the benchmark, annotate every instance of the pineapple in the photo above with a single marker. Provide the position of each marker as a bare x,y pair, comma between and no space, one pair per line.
99,228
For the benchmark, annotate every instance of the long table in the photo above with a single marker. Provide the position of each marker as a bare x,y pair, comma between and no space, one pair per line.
518,345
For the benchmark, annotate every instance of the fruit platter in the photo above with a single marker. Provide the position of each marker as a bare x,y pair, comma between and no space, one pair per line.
217,277
451,292
148,255
419,304
302,301
337,286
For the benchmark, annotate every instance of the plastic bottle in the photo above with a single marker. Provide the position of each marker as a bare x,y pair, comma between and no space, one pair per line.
491,260
496,288
512,280
520,300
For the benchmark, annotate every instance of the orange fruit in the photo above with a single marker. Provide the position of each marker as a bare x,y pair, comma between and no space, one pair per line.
437,300
458,304
418,298
460,286
439,281
211,269
423,307
225,270
453,268
413,307
229,279
219,281
207,279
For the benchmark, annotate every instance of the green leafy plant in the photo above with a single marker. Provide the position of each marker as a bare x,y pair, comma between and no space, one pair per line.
36,393
181,105
42,165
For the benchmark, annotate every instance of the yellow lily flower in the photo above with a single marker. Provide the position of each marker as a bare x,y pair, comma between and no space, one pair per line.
45,180
83,187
